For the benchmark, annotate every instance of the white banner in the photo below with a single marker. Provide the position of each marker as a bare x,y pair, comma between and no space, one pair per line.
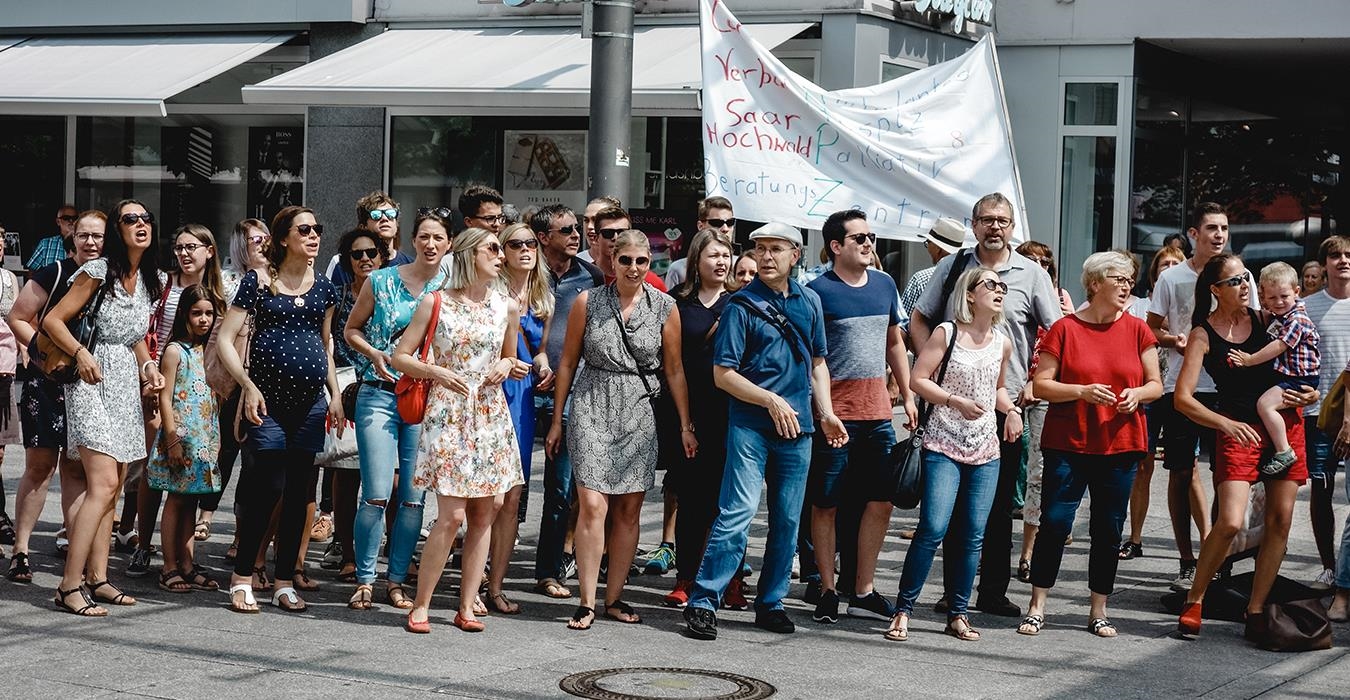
906,152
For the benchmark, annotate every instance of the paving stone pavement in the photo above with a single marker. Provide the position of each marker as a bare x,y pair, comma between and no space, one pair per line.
190,646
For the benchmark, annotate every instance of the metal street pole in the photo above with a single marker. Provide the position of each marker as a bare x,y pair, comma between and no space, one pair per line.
607,145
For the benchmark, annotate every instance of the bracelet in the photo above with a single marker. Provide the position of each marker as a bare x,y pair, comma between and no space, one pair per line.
947,401
688,428
144,364
78,348
1015,409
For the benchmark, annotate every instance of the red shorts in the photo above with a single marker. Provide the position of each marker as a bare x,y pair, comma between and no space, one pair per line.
1236,462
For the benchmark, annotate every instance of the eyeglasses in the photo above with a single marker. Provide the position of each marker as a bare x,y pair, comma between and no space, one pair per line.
772,250
994,221
720,223
494,248
863,238
188,248
1121,280
363,254
609,233
494,219
629,261
131,219
69,218
522,243
992,285
443,212
377,214
1235,280
307,229
569,230
87,237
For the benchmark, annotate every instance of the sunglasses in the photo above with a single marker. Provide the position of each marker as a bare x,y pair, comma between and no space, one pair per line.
443,212
1235,280
363,254
494,248
569,230
307,229
188,248
993,286
377,214
863,238
256,240
609,233
719,223
69,218
522,243
131,219
628,260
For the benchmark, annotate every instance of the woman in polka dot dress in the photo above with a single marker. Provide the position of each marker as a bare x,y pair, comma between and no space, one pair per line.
285,408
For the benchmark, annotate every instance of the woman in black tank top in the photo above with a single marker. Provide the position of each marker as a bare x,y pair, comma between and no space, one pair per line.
1225,286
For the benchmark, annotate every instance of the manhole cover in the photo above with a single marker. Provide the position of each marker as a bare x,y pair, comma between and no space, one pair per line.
646,683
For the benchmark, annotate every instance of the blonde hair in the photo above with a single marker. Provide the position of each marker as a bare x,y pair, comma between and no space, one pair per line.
1280,273
632,237
463,271
962,310
1099,265
539,298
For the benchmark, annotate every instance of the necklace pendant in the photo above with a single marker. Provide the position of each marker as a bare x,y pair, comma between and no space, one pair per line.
300,301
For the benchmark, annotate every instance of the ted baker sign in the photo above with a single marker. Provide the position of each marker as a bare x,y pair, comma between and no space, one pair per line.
974,10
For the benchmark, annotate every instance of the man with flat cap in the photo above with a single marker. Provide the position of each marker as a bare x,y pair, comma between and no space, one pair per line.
769,355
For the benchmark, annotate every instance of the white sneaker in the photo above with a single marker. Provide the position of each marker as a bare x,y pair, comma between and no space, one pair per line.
1324,581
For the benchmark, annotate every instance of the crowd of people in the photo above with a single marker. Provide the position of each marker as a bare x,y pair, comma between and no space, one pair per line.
396,372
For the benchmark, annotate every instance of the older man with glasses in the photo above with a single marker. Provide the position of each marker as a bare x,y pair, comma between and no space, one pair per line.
53,248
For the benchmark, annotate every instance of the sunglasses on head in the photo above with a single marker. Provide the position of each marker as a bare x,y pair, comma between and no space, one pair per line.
131,219
69,218
568,230
443,212
377,214
522,243
363,254
609,233
719,223
862,238
628,260
993,285
1235,280
307,229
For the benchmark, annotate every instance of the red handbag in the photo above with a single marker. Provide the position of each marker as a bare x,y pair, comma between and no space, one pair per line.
411,393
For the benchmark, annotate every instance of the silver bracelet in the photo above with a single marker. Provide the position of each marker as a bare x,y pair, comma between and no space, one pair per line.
145,364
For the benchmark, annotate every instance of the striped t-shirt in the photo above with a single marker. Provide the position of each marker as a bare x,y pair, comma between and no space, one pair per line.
857,320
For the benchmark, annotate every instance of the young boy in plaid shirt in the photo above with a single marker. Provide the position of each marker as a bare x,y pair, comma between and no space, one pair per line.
1294,350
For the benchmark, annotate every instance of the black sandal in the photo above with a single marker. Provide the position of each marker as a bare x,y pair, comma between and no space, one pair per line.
200,581
581,614
1130,550
624,609
20,571
118,597
82,611
172,581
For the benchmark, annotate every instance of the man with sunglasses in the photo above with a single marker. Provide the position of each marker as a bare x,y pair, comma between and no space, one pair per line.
609,223
481,207
593,207
1030,305
847,490
53,248
559,237
713,213
378,213
1169,315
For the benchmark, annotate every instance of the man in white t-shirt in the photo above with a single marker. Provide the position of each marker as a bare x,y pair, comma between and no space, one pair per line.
1169,315
1329,308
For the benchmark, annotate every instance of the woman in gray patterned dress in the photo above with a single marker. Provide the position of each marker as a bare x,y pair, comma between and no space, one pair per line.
103,407
611,428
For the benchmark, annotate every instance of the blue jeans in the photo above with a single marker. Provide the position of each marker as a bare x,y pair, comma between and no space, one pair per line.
385,442
951,490
755,457
558,494
1067,476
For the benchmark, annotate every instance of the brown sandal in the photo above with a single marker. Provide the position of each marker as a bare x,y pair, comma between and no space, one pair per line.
960,628
361,599
397,597
503,605
551,588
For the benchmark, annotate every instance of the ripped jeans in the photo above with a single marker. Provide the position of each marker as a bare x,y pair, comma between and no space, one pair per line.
385,441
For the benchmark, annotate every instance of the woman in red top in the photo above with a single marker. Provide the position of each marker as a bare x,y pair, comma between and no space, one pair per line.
1096,367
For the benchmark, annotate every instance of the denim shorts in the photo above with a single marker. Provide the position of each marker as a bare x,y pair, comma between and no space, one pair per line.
305,434
1298,383
859,466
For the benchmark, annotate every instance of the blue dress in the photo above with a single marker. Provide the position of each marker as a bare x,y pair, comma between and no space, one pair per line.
520,392
195,414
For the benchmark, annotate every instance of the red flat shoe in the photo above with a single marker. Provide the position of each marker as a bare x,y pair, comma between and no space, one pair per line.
423,627
467,625
1189,622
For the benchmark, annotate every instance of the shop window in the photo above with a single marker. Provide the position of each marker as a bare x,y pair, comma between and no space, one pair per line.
32,181
1087,196
433,158
1157,193
207,169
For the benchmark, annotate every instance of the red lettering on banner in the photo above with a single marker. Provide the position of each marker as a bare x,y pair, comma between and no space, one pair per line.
758,117
732,27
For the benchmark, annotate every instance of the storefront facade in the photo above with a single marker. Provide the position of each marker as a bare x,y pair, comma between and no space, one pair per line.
1126,114
419,97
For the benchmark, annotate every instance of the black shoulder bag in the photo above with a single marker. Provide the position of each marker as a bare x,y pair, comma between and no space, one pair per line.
905,465
652,392
776,318
949,283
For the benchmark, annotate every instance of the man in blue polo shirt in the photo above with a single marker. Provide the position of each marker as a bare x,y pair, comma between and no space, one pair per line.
769,355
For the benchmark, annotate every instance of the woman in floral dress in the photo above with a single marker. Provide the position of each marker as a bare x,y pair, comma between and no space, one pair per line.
467,450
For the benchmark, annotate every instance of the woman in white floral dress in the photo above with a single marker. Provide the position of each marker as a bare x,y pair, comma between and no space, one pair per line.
467,451
103,406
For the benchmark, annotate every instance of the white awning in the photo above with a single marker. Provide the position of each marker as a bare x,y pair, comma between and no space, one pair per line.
482,71
117,76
